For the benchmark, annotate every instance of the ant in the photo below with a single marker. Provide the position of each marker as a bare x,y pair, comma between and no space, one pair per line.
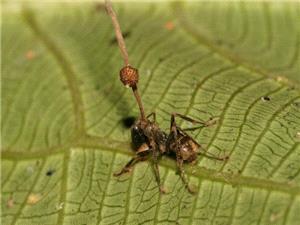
148,140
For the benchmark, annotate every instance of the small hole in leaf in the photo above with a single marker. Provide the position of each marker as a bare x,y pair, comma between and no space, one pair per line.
50,172
265,98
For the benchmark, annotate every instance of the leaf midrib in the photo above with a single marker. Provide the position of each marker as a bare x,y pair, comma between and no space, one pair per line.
94,143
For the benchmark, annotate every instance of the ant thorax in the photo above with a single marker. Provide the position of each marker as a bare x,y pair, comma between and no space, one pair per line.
147,136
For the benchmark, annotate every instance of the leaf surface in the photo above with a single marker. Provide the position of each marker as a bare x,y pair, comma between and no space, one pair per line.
63,107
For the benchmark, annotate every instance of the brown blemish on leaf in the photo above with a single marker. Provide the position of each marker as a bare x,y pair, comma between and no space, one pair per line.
10,203
99,7
33,198
169,25
30,54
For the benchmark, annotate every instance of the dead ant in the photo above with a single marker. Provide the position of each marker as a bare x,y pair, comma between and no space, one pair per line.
148,140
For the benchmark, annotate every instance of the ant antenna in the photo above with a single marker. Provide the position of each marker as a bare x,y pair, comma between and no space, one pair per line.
128,75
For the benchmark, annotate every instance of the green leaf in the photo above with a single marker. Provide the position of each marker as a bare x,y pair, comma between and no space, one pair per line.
63,106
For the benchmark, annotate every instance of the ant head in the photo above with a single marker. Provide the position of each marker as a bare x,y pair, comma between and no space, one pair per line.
138,137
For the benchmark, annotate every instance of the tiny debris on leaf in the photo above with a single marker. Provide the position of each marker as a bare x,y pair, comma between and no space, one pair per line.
148,72
275,216
169,25
59,206
30,54
10,202
30,170
282,80
33,198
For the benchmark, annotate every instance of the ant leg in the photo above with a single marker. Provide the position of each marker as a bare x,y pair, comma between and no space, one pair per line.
156,170
192,128
179,160
127,168
153,114
207,154
204,123
212,156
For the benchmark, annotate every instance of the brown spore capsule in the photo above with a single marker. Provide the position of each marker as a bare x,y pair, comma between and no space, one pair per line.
129,76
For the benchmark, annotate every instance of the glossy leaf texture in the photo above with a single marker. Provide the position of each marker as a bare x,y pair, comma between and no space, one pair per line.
63,108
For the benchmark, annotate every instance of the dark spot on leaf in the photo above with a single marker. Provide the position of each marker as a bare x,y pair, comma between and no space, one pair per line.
230,45
128,121
126,34
219,42
291,177
30,54
160,59
50,172
97,87
265,98
99,6
297,104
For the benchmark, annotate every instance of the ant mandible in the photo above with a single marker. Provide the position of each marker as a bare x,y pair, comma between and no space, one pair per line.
148,140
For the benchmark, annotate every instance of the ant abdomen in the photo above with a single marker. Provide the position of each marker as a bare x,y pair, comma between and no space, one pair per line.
185,146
